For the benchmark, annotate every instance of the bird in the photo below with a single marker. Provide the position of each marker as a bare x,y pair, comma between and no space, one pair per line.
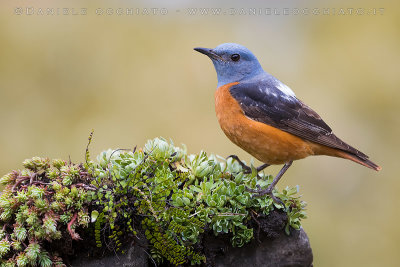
264,117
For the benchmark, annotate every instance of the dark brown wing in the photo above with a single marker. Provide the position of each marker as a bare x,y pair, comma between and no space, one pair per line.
262,101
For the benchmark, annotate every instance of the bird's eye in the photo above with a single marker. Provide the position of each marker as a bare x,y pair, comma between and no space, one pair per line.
235,57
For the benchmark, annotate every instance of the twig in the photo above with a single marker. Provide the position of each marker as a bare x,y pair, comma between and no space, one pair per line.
194,214
40,182
230,214
33,176
74,235
258,224
87,186
19,181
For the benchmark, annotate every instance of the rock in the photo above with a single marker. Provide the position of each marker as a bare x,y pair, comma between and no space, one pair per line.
293,250
279,251
135,256
270,247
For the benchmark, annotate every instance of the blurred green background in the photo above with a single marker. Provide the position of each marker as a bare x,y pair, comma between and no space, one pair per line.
135,77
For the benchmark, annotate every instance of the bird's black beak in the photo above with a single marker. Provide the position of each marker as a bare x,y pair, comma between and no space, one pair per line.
208,52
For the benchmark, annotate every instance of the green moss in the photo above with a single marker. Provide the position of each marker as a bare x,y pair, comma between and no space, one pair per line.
160,190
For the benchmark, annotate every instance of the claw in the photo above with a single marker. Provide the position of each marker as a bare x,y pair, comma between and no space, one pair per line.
268,191
246,168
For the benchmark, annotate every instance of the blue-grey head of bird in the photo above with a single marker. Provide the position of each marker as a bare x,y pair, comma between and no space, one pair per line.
233,62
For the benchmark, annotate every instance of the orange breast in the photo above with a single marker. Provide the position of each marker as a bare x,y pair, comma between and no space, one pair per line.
266,143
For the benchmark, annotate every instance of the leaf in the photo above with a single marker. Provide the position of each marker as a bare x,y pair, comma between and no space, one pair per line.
186,201
179,202
94,215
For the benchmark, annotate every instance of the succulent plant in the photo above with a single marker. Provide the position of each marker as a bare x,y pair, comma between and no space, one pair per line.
161,191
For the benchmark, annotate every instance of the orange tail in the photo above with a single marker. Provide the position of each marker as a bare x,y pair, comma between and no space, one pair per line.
359,160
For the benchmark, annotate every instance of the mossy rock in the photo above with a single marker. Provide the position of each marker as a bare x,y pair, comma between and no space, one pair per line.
53,209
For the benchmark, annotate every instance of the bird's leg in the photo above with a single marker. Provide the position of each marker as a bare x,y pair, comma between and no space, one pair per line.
268,191
246,168
262,167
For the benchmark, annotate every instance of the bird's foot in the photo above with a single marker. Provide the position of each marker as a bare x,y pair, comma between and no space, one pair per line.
262,192
247,169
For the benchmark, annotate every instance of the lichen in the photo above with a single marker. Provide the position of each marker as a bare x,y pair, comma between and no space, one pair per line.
161,191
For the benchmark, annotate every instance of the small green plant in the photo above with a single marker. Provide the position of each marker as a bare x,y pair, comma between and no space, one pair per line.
161,191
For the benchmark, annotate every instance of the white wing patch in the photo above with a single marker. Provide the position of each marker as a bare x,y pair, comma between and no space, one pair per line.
285,89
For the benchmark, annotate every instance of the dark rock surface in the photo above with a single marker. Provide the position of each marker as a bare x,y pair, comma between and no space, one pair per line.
293,250
279,251
135,256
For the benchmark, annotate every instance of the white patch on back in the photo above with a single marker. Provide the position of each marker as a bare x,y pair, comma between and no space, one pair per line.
285,89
